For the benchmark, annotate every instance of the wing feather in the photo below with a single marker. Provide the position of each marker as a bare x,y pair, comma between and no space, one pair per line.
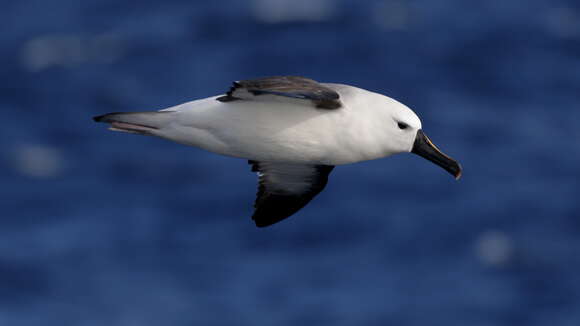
283,189
294,87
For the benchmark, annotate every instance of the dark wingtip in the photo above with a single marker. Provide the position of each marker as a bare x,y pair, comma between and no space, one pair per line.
262,221
261,224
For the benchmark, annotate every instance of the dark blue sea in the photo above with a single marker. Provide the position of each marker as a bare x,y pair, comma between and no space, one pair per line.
102,228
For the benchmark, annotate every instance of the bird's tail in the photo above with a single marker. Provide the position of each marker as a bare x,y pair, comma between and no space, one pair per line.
143,123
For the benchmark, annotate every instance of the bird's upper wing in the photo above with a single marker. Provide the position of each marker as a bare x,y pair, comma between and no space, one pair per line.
294,87
283,189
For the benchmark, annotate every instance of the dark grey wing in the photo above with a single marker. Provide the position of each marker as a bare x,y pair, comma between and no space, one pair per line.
294,87
283,189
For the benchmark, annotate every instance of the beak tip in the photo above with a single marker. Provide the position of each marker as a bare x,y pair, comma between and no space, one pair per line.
425,148
459,172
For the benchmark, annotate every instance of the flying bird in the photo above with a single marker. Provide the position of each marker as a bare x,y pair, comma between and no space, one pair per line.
293,131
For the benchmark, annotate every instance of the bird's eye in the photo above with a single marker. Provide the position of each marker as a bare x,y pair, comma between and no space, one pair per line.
402,125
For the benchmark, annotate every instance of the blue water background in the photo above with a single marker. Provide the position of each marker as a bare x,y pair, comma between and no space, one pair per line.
102,228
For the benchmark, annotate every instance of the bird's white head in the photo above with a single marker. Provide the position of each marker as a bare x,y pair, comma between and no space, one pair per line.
405,134
402,125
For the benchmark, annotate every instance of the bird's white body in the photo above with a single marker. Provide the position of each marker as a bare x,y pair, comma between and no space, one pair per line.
291,130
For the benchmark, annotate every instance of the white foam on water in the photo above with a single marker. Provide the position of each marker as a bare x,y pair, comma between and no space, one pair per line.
38,161
281,11
494,248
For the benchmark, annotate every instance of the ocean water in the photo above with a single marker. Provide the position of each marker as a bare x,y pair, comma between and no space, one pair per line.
102,228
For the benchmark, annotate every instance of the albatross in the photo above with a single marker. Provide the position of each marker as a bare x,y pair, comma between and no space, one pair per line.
293,131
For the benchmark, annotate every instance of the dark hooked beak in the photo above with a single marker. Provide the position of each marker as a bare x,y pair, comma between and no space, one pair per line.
425,148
